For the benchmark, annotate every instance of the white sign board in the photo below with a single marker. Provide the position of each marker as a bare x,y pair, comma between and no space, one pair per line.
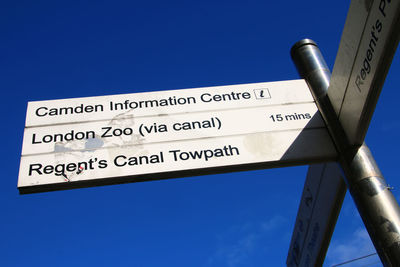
321,201
145,136
369,40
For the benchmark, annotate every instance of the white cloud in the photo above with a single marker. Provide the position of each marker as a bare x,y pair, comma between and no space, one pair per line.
237,245
273,223
356,245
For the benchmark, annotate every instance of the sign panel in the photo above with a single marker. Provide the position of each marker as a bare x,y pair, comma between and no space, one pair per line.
159,103
84,142
369,40
165,160
321,201
143,130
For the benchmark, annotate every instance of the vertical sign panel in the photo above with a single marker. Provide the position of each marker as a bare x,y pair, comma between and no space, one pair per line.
369,40
321,201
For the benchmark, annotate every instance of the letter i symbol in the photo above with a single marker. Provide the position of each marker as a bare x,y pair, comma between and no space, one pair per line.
262,93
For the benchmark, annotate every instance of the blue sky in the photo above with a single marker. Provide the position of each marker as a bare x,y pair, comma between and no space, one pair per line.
56,50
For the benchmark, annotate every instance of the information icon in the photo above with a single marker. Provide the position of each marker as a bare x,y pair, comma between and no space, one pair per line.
262,93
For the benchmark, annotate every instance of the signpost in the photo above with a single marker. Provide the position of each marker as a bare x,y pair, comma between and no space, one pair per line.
369,40
102,140
136,137
376,204
323,194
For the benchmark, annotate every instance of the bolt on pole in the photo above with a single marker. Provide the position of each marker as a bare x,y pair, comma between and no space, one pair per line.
375,202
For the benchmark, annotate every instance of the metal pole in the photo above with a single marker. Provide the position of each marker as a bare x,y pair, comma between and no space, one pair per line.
375,202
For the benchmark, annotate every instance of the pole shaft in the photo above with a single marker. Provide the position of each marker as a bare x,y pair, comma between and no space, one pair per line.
376,204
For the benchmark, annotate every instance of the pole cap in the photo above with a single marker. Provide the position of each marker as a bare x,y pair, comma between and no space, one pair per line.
300,44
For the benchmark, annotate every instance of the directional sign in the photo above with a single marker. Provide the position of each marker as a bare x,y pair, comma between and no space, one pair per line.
369,40
321,201
145,136
183,126
159,103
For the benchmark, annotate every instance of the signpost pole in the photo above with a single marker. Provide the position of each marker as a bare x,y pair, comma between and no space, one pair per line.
375,202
